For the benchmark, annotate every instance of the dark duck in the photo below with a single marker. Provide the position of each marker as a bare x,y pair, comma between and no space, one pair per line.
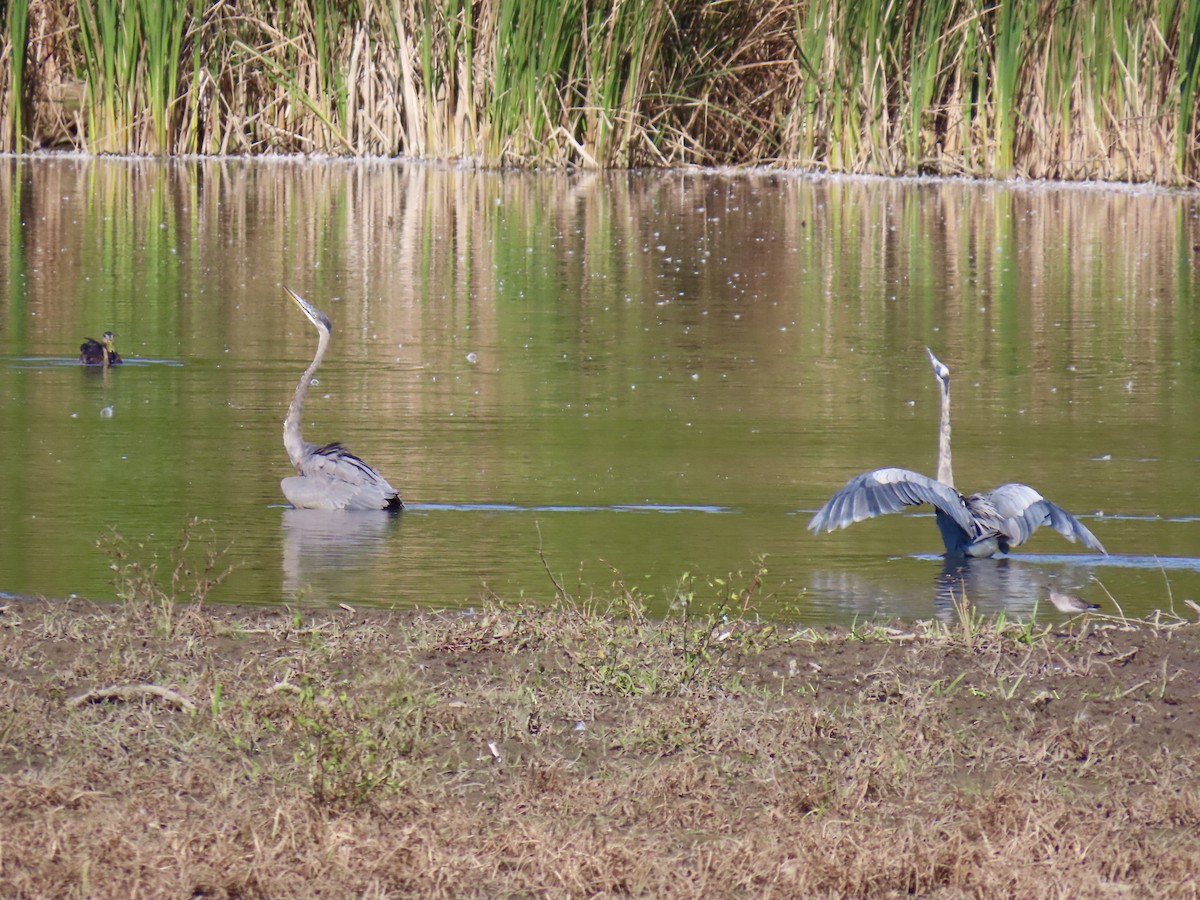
101,352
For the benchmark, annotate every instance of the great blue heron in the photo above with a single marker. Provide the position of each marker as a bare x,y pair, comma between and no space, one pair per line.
1069,603
101,352
329,476
979,525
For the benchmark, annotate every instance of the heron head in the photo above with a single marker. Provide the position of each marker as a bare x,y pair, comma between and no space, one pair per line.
940,369
318,318
108,339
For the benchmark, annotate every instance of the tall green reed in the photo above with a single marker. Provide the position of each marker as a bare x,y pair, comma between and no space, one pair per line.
621,43
1189,77
163,24
1009,53
532,81
929,45
110,43
15,48
805,128
449,105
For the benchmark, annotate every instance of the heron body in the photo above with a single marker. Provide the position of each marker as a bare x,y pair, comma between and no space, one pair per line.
978,525
328,476
101,352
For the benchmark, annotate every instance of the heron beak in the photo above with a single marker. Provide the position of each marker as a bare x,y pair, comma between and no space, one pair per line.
307,308
300,301
939,368
319,320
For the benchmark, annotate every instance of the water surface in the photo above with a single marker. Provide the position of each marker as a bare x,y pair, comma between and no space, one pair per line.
618,377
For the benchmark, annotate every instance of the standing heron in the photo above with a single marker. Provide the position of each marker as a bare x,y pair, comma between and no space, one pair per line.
101,352
329,476
979,525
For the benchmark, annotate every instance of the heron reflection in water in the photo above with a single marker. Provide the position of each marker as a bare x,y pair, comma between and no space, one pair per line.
1013,585
327,476
101,352
976,526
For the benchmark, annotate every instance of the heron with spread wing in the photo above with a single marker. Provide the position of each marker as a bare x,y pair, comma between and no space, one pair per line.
977,526
327,476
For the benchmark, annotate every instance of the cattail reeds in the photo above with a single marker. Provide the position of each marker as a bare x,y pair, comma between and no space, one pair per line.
1028,88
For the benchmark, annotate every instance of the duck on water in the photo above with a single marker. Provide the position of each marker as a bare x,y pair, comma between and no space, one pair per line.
101,352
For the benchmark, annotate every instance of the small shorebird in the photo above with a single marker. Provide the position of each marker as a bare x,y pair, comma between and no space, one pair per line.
1069,603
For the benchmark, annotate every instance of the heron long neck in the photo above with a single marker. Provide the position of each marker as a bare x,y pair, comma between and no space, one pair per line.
292,441
945,473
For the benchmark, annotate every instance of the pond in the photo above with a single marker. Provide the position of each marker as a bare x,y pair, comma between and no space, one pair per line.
593,383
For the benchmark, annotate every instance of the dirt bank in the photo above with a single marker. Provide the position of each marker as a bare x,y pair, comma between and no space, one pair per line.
151,750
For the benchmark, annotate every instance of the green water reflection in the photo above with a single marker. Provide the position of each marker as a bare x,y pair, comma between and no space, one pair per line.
643,375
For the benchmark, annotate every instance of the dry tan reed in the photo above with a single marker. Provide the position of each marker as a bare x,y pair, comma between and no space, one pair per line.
1035,89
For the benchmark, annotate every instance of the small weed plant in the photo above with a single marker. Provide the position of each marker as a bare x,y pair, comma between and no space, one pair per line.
154,587
352,748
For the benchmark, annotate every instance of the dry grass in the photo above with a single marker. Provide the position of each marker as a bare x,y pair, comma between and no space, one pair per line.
570,751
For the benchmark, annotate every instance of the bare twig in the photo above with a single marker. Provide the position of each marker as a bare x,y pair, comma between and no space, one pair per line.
562,592
127,693
1124,620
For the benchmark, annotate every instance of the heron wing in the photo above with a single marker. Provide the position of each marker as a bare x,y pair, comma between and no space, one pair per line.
1016,511
343,480
889,490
